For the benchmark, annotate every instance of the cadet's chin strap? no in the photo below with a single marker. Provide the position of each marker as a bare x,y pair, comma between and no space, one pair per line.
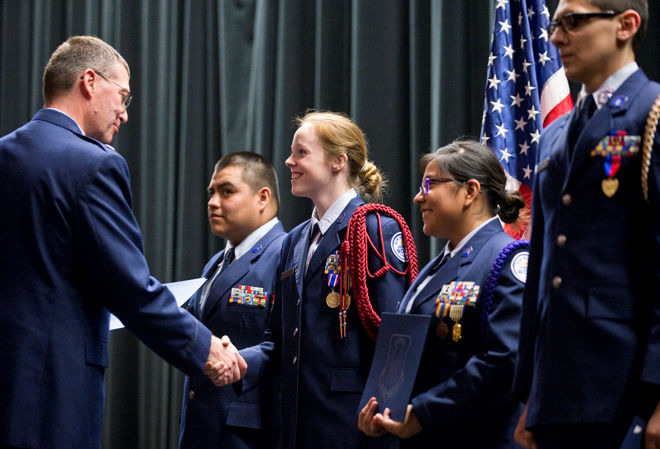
355,257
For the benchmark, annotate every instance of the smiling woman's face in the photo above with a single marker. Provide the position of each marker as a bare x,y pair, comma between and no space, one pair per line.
311,172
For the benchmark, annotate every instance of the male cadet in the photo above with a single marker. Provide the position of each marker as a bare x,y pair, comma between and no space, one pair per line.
590,337
70,249
236,301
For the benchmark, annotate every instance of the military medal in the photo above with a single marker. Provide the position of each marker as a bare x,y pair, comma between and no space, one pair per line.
451,301
332,300
456,332
332,269
442,330
609,186
347,300
456,313
344,297
612,148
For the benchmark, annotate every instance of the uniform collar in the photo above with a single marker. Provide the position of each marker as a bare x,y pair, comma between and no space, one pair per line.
68,116
251,240
466,239
333,212
611,84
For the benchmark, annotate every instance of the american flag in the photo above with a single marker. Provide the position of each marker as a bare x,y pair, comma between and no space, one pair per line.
525,91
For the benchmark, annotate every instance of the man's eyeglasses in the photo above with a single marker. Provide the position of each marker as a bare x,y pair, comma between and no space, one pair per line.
126,96
428,182
571,20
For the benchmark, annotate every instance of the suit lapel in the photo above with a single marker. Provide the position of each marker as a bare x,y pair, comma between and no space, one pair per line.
447,273
300,256
193,307
332,238
596,128
457,266
415,285
220,290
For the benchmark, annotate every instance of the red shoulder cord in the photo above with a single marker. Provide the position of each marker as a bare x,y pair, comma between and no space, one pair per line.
354,255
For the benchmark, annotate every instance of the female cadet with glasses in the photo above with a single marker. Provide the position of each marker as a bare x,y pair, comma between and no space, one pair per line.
323,361
473,290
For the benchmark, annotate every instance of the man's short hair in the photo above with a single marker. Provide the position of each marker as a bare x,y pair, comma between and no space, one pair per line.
72,58
641,6
257,172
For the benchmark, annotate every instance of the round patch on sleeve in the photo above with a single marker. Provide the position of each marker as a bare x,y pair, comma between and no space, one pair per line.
519,266
397,247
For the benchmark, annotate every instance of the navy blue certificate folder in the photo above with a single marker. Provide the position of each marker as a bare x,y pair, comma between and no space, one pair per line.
399,348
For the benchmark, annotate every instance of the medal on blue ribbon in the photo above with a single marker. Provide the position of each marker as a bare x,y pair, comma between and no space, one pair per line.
332,269
611,165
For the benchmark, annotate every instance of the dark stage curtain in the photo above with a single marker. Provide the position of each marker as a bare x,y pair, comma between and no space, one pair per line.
212,77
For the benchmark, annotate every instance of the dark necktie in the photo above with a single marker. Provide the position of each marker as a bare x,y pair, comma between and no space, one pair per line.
582,116
316,230
313,244
443,260
227,259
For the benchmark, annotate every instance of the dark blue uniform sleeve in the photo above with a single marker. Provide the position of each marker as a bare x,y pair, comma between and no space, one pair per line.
116,272
266,354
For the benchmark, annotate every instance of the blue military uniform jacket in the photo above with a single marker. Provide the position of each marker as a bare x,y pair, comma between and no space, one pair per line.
322,375
462,394
591,310
214,417
70,249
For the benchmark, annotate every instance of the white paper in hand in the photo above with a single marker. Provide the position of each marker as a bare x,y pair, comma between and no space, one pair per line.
182,291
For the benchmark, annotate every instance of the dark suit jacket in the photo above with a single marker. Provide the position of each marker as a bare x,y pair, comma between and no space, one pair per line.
462,394
70,250
214,417
593,290
322,375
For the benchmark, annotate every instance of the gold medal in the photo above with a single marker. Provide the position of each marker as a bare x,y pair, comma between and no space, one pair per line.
347,301
442,330
610,186
456,332
332,300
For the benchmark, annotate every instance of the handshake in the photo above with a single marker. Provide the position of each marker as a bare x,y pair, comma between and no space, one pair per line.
224,365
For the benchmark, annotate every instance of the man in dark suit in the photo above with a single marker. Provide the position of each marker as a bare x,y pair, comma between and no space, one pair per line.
590,336
236,300
70,250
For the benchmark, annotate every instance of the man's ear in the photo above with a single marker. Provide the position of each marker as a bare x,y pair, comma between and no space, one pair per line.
629,23
264,197
88,83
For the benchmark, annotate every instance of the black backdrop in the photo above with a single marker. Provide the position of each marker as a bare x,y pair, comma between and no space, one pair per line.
212,77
